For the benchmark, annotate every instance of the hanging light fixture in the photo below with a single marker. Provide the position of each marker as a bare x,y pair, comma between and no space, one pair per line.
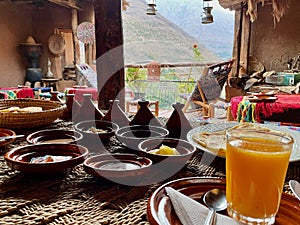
206,15
151,10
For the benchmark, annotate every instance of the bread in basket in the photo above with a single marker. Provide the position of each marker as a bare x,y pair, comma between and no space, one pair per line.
48,113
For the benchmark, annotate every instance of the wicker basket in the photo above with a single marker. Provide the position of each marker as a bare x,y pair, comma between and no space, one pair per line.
51,111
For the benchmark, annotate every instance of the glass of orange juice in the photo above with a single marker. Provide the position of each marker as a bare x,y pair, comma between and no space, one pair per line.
256,166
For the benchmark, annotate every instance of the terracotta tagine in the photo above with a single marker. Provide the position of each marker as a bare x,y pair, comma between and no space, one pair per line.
144,116
116,115
88,110
178,125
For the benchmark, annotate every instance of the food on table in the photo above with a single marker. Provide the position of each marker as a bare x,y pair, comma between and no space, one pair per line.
165,150
49,158
216,141
96,131
16,109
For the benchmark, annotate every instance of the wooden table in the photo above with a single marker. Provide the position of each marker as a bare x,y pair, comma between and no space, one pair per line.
79,198
50,82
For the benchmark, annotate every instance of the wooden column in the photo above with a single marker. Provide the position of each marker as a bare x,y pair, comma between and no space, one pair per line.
109,52
245,43
236,42
76,42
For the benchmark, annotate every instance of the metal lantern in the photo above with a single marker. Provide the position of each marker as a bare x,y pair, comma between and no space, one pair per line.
151,10
206,15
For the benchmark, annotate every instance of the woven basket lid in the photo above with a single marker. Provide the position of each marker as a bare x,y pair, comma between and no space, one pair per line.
30,41
56,44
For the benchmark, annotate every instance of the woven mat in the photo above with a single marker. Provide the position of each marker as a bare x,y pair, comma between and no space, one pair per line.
78,198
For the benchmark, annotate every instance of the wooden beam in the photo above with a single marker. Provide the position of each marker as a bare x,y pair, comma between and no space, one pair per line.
245,43
74,24
230,4
109,53
66,3
236,43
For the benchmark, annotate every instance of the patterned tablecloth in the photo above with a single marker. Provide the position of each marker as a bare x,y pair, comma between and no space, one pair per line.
79,198
13,93
80,91
286,108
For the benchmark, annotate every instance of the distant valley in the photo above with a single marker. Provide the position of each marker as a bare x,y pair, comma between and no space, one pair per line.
168,38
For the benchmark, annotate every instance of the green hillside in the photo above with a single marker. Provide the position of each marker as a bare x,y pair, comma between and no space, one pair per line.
148,38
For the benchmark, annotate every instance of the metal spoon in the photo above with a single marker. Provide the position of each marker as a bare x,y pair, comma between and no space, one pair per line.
215,200
295,187
10,137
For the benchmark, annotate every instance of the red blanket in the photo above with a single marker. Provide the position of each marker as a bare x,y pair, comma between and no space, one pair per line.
20,92
283,104
80,91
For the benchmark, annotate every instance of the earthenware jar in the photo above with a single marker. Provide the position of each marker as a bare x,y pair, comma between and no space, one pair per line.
178,125
55,97
144,116
73,105
116,115
88,110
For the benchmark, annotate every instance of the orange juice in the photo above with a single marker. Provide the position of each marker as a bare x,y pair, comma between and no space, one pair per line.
256,165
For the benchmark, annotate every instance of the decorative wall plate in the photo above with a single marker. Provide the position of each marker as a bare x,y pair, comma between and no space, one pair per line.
86,32
56,44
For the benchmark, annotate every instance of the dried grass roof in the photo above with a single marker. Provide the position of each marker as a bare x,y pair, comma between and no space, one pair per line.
279,7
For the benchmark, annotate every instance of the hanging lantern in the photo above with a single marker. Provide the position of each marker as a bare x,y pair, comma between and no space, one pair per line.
151,10
206,15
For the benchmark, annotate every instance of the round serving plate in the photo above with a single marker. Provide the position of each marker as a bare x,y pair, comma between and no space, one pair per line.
295,155
161,212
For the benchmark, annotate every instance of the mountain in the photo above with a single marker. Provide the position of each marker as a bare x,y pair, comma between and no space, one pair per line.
149,37
186,14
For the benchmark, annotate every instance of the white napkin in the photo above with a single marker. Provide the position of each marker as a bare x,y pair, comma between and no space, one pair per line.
191,212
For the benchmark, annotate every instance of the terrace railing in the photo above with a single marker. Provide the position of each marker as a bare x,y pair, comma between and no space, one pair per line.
175,80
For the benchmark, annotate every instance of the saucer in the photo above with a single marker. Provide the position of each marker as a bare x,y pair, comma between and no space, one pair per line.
161,211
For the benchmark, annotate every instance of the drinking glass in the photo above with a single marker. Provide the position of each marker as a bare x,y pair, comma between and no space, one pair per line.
256,166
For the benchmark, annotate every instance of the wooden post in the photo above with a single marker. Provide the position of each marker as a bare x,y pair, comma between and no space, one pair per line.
245,43
237,43
76,42
109,53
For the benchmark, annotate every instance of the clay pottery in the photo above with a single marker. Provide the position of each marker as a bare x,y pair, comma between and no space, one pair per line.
116,114
88,110
178,125
144,116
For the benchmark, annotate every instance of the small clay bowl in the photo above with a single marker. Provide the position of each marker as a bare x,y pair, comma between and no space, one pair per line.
106,130
132,136
65,156
184,148
54,136
127,169
6,132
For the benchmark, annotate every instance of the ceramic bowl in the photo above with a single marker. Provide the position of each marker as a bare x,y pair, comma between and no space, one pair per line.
184,148
64,156
6,132
127,169
54,136
93,130
132,136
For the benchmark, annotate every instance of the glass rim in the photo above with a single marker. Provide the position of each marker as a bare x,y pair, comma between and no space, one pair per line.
286,136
